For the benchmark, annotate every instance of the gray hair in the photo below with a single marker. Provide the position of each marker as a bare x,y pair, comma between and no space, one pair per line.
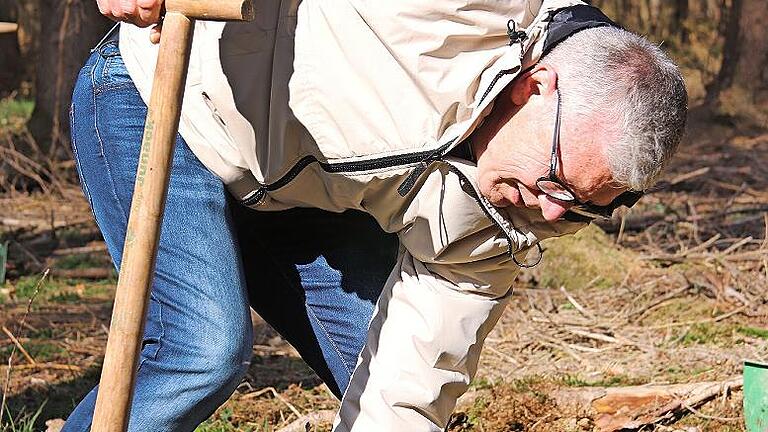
631,83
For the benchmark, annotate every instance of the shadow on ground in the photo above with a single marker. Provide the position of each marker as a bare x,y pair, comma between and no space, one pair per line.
55,393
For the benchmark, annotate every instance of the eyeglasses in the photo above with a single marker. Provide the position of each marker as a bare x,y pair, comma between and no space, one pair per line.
553,187
551,184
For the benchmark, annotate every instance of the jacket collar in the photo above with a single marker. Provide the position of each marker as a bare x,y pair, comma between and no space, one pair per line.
568,21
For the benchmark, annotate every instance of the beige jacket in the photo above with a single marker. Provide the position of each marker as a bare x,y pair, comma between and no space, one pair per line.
354,104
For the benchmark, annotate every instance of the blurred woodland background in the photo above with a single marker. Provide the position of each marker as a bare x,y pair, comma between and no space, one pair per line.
669,295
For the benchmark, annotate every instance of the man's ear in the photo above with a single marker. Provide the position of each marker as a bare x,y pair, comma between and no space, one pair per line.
541,80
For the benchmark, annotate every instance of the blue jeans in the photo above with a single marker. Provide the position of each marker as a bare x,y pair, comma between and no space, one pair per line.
314,276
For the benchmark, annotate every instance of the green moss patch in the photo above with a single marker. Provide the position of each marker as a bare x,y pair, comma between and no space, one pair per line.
588,258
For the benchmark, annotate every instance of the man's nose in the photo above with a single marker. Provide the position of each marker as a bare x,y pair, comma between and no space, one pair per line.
552,209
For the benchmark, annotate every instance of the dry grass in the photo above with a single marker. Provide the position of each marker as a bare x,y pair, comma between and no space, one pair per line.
679,301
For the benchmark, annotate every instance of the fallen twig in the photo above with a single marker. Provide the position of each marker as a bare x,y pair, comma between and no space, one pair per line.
99,247
503,355
85,273
696,397
687,176
41,366
19,345
704,321
576,304
657,302
696,412
303,423
276,395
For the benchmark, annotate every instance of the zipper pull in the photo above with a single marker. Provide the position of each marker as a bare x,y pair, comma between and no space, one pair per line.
256,199
410,181
212,107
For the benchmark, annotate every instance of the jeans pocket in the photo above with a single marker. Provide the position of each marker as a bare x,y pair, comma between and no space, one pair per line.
109,70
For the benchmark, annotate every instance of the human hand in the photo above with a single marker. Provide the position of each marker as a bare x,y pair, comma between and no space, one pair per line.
142,13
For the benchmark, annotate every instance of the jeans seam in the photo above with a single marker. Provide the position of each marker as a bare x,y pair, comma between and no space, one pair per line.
103,153
76,155
327,334
92,76
314,316
105,69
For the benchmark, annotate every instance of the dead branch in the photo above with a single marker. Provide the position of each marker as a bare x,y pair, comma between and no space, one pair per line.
277,396
85,273
703,321
13,351
83,250
19,345
639,406
43,366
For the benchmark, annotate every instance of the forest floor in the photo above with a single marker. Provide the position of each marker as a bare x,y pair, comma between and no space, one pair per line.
670,292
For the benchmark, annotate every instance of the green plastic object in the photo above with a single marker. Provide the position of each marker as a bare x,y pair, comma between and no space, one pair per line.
3,261
756,396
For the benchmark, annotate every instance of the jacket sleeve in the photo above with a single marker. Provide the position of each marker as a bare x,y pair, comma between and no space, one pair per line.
423,346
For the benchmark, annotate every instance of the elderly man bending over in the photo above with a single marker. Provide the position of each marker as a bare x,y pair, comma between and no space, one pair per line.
473,130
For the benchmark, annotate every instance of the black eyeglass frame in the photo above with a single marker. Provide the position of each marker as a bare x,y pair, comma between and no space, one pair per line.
554,160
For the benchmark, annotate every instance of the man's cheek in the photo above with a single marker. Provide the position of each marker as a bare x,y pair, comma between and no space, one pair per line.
528,197
497,199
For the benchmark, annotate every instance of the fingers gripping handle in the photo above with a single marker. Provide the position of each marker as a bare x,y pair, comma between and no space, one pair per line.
212,10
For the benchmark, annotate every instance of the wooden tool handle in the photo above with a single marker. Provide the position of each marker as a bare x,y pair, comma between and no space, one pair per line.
212,10
113,403
118,375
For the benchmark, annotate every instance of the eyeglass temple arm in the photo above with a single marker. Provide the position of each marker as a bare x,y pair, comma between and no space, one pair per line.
555,136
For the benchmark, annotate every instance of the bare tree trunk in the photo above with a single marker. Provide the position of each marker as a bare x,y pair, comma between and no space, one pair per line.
10,60
28,18
740,90
69,28
10,57
680,18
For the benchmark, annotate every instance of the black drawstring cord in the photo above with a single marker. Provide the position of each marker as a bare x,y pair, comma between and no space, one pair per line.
106,36
515,35
524,265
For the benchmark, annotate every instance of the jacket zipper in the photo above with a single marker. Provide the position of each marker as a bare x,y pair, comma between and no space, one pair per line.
515,36
423,158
